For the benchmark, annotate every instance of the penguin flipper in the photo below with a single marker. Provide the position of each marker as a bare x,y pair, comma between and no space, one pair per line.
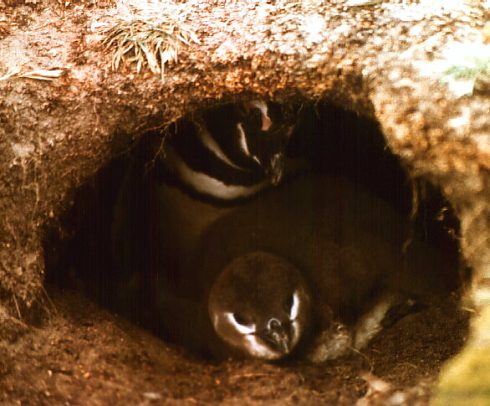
339,339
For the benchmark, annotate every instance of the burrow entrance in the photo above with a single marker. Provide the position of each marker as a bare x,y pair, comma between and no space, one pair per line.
336,142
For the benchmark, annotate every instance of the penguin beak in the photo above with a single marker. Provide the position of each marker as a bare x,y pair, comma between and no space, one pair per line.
277,336
276,168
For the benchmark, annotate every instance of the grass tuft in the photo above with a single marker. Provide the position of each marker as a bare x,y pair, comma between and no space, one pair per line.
479,67
151,44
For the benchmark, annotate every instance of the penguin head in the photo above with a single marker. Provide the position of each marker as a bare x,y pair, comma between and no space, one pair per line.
260,305
266,129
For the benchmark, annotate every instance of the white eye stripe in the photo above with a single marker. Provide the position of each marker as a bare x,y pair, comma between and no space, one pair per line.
261,105
294,307
266,120
296,332
242,329
213,146
243,139
243,143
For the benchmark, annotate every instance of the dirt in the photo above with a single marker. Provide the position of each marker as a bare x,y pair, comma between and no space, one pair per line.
56,134
380,60
83,354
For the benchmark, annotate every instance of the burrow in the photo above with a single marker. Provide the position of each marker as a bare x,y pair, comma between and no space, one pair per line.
335,142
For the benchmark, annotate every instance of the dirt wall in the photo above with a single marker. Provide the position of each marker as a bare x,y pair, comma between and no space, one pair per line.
419,68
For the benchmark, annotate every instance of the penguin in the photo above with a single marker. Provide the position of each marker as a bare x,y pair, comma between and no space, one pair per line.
260,305
312,267
229,152
217,159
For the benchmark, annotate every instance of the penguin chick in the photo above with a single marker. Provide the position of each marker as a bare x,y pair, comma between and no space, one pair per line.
260,305
343,240
337,339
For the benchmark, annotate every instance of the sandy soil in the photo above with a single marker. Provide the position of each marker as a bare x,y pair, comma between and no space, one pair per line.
82,354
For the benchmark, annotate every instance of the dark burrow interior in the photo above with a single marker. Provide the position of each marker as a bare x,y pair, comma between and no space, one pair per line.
334,142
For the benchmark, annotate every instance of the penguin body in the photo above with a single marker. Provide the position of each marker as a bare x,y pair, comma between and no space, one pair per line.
218,159
322,227
230,152
343,241
319,263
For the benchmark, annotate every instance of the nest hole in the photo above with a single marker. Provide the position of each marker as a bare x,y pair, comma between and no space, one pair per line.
335,142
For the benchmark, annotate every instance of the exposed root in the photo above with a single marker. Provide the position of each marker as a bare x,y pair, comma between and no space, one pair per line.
416,185
19,314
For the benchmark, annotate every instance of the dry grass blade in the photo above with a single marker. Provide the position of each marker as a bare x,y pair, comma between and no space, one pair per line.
10,73
38,74
152,44
362,3
43,74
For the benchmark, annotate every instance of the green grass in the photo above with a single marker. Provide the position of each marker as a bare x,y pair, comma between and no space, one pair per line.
479,67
